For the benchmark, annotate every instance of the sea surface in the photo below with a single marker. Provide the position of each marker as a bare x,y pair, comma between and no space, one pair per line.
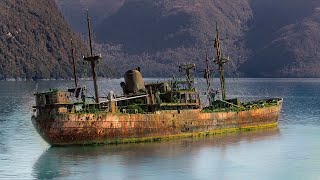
291,151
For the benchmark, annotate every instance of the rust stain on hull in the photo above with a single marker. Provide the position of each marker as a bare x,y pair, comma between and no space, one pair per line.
108,128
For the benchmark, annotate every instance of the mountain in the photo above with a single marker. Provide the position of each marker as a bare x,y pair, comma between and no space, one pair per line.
35,40
158,35
302,41
75,11
263,38
284,39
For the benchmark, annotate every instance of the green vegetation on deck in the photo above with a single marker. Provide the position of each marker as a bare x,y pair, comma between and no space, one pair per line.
243,107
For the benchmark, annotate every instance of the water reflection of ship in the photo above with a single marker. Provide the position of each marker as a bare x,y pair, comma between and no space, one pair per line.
58,162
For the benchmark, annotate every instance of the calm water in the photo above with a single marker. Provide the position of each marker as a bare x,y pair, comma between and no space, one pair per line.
290,152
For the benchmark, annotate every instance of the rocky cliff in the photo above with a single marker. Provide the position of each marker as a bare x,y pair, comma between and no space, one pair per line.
35,40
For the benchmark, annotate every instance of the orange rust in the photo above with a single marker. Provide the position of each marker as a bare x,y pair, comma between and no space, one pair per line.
104,127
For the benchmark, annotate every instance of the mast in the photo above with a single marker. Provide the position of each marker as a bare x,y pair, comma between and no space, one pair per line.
220,61
74,65
92,59
188,69
208,79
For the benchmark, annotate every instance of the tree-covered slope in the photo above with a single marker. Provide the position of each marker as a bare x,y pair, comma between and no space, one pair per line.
35,40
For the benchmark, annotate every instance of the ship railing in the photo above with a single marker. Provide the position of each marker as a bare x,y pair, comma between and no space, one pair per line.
134,109
129,98
120,98
217,107
233,105
262,103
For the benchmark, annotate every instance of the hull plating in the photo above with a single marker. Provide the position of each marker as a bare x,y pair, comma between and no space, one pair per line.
108,128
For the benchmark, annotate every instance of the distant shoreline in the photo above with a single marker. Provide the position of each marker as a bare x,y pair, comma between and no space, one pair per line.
25,80
90,79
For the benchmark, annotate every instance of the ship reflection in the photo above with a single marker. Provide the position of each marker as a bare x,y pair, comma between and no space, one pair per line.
63,162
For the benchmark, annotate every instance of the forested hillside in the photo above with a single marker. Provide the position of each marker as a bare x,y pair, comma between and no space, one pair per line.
262,38
158,35
273,38
35,40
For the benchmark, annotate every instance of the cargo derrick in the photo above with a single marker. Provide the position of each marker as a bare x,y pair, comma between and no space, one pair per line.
223,103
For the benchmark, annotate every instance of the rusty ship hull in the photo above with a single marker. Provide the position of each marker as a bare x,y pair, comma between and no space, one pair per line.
112,128
147,112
